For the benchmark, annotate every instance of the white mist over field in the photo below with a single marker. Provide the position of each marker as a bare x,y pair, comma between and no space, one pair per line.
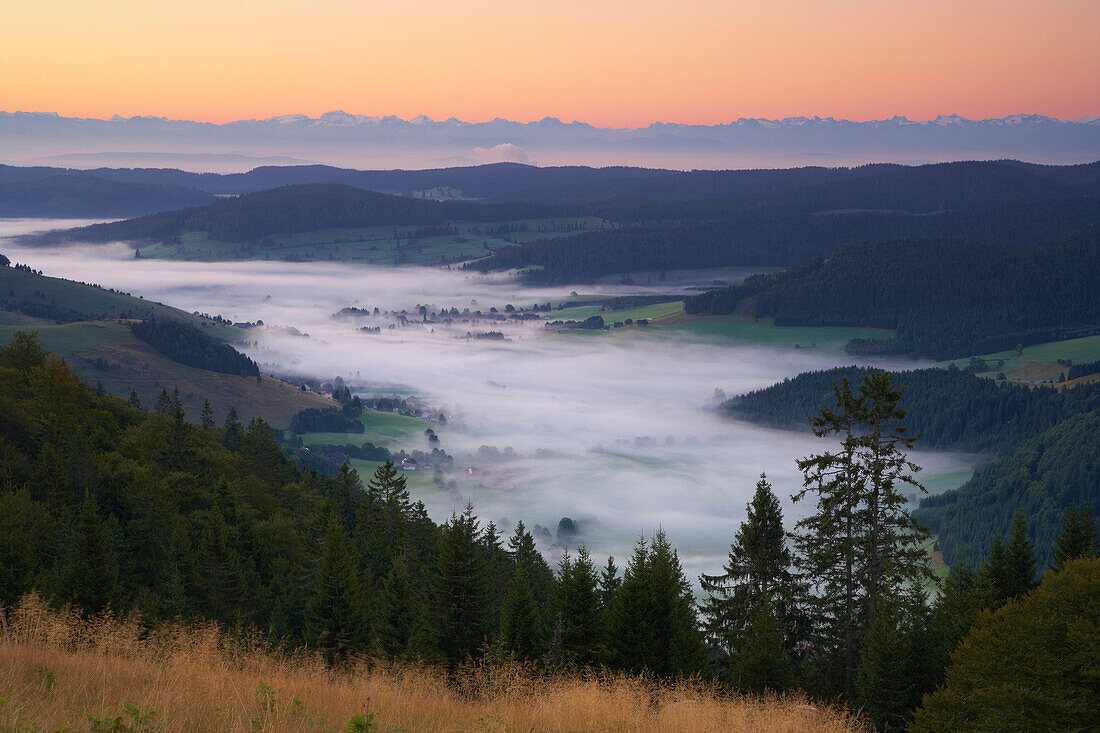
612,429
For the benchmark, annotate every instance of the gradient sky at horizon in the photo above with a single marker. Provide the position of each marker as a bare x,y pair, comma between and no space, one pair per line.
606,62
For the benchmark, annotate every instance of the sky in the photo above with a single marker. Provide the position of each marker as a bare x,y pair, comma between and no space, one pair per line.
607,62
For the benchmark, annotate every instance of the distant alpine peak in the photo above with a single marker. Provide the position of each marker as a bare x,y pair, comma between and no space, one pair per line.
342,118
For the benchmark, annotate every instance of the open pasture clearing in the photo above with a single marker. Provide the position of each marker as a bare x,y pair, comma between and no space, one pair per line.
380,245
386,429
579,313
735,330
1038,362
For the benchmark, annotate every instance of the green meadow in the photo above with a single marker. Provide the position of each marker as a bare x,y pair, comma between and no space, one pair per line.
385,429
1038,362
668,321
379,245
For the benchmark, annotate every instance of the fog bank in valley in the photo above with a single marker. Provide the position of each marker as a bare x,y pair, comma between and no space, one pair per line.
611,429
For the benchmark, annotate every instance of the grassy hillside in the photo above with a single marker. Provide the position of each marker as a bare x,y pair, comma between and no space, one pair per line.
107,353
60,672
53,299
1037,362
385,429
88,327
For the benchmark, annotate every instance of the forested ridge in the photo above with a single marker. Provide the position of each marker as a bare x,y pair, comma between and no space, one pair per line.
709,236
669,220
944,298
299,208
948,409
1045,477
726,218
83,196
106,506
499,182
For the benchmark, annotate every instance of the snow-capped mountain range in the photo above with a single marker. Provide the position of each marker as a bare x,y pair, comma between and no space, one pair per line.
365,141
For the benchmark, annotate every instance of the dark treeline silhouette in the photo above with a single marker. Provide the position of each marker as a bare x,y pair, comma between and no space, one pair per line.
73,196
950,409
300,208
945,299
107,506
331,420
188,345
1083,370
581,184
771,239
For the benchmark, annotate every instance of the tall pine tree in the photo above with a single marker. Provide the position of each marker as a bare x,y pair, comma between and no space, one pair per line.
522,629
576,610
860,542
757,574
460,591
336,616
1077,538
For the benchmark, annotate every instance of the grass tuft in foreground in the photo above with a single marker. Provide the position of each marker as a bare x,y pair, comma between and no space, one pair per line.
59,671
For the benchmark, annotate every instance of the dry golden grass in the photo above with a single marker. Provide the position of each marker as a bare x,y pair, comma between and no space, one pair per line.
57,669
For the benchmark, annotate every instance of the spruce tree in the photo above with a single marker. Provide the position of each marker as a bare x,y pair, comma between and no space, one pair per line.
679,641
609,583
179,432
388,490
347,493
963,595
994,571
498,565
757,573
1077,538
628,633
1019,559
522,630
894,660
763,661
653,625
397,613
207,417
576,607
234,433
91,580
460,591
163,405
861,541
336,618
524,554
135,401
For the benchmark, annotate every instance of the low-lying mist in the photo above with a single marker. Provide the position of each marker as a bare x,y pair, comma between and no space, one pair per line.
612,429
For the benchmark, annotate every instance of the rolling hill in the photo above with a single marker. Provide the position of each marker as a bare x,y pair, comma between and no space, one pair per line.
91,329
88,197
945,298
294,209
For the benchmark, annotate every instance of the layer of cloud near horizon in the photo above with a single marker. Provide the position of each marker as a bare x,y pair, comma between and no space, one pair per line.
612,63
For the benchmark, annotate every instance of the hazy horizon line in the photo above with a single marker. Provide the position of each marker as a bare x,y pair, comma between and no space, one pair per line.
333,114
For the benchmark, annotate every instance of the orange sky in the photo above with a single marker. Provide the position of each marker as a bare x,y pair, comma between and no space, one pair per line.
607,62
